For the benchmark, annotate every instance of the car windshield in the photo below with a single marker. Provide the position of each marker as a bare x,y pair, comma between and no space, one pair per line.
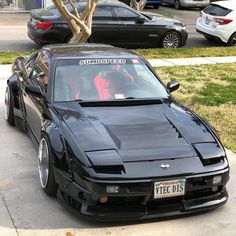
105,79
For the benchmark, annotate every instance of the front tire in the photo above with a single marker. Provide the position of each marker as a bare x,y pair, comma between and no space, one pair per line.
232,40
171,40
9,107
45,166
177,5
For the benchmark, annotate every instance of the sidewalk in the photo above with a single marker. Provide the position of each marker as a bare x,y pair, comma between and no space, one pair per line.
191,61
6,69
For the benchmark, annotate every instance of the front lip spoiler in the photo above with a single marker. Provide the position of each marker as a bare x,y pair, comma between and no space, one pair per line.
113,216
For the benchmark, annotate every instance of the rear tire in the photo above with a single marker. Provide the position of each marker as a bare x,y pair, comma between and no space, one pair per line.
68,38
9,107
45,166
232,40
171,40
156,6
177,5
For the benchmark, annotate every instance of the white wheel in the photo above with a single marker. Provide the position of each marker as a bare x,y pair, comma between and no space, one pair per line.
45,166
43,162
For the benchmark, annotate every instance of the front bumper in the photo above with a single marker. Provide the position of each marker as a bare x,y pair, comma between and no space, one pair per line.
135,198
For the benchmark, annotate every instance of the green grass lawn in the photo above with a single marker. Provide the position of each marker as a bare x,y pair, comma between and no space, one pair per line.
157,53
152,53
9,57
210,91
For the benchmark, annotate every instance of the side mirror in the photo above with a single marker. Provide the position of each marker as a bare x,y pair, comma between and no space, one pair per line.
140,20
34,91
172,85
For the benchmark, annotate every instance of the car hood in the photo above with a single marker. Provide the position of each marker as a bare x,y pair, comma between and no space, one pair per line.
145,132
161,19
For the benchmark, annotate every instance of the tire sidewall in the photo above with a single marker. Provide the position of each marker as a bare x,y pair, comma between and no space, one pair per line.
177,4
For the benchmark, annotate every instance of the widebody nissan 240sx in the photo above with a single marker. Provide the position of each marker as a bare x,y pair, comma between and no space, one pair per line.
113,142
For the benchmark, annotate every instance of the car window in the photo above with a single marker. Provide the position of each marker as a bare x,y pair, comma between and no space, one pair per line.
30,62
40,71
105,79
103,12
216,10
125,13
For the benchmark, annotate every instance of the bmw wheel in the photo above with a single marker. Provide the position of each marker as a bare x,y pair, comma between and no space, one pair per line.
171,40
9,110
45,166
232,40
177,4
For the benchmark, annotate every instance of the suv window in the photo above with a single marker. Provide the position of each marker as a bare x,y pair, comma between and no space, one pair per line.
216,10
125,13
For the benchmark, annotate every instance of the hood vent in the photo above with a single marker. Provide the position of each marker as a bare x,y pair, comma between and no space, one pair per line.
146,136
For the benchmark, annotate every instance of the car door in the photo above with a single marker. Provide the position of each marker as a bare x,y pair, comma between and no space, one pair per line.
106,28
24,79
37,73
38,106
136,32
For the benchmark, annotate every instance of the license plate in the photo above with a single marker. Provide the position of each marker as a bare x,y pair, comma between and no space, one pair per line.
170,188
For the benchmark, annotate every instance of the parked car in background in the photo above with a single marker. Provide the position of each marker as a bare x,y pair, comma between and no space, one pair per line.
218,21
187,3
154,3
114,23
113,142
3,3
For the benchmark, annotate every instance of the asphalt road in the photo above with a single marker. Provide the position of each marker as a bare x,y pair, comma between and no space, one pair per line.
13,30
26,211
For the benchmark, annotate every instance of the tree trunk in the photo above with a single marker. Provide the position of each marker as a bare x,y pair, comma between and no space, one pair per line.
138,4
80,23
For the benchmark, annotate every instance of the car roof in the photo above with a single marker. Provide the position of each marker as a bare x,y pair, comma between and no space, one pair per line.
83,3
230,4
88,50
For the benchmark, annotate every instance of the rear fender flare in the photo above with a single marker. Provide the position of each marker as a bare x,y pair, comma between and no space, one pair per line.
14,85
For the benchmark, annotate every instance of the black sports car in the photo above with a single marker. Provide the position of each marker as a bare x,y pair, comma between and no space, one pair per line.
113,142
113,22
